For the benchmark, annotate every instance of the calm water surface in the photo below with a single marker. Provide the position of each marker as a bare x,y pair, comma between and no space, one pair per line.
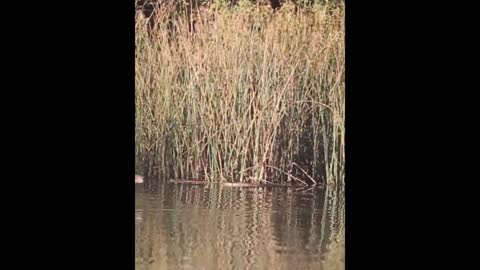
184,226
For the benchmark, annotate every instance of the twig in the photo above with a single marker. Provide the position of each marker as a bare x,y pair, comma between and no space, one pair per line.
298,179
315,182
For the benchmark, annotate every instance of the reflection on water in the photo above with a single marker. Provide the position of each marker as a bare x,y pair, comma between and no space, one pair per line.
210,227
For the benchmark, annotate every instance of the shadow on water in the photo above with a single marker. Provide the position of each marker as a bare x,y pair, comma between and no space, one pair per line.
182,226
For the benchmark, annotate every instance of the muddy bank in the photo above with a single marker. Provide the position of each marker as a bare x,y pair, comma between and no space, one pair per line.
242,184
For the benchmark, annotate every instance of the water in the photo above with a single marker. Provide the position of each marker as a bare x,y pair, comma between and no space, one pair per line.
184,226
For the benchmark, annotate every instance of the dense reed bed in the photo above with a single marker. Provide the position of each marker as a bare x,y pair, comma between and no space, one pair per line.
242,94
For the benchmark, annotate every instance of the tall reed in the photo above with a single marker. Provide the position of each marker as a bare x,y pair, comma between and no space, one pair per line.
242,94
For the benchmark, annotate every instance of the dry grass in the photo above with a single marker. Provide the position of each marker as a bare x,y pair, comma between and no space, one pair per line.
249,96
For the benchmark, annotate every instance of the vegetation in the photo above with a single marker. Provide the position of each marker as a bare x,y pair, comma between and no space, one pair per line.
241,93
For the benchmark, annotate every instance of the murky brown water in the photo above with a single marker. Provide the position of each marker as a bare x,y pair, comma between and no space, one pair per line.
210,227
